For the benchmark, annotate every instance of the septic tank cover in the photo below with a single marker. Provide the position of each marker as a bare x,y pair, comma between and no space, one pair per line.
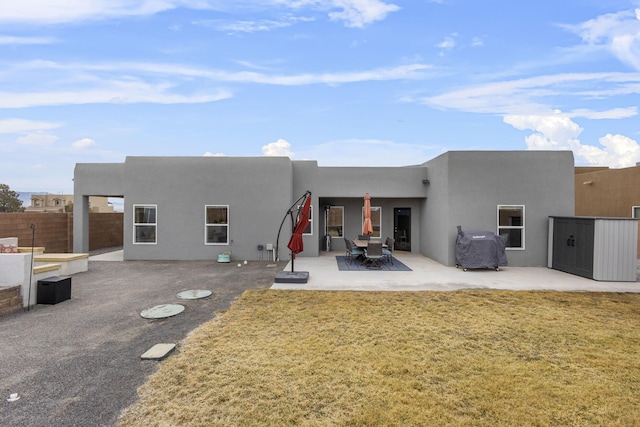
162,311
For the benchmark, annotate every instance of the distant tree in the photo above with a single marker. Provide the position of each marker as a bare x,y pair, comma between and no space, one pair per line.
9,200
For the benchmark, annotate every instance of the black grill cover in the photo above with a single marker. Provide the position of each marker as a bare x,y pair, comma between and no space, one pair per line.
480,249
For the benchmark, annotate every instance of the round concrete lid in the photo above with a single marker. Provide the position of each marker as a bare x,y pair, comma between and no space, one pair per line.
162,311
194,294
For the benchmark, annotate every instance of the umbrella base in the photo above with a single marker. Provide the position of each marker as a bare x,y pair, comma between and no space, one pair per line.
292,277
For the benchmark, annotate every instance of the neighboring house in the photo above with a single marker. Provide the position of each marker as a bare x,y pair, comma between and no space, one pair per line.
64,203
604,192
195,208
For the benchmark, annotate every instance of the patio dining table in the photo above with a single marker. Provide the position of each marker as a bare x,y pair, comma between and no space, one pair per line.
363,244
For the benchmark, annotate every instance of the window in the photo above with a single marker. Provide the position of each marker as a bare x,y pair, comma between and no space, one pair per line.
144,224
635,212
216,225
309,229
511,224
335,221
376,220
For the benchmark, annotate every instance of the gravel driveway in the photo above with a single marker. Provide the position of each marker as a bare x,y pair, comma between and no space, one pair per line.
77,363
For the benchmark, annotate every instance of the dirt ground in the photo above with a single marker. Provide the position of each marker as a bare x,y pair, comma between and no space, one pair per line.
77,363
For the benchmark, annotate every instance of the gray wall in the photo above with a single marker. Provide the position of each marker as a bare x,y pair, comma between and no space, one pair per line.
258,192
464,189
94,179
478,181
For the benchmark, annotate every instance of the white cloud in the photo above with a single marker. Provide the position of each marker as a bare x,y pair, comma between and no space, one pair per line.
210,154
281,147
448,43
619,33
533,95
407,71
243,26
359,13
553,132
22,125
477,42
83,143
354,13
559,132
37,138
15,40
114,92
369,152
159,83
59,11
619,152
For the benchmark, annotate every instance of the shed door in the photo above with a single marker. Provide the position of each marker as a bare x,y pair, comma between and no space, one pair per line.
573,246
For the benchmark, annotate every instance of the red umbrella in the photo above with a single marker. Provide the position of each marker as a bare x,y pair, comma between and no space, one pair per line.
367,228
295,243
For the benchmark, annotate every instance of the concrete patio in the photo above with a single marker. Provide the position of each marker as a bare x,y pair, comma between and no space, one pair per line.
431,275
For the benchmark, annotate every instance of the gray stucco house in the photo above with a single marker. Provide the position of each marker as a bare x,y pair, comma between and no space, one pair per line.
195,208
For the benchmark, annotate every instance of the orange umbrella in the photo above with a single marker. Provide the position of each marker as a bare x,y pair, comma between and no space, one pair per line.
367,228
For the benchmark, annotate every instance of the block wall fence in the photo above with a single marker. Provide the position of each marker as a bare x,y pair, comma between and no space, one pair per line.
54,231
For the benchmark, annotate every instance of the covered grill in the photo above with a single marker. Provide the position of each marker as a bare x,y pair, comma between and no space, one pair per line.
480,249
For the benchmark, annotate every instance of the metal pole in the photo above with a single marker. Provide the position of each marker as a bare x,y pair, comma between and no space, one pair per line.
289,212
33,237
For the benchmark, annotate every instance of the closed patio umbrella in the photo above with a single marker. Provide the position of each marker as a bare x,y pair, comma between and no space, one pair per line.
296,244
367,228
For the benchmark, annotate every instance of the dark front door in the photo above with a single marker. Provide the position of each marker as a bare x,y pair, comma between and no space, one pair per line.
402,228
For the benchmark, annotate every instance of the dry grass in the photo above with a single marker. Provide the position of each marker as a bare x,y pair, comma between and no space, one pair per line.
477,358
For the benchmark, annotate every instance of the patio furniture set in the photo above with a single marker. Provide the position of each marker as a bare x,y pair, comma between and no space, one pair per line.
372,253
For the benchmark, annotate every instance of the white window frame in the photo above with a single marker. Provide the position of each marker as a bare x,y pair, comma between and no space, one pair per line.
145,224
635,212
375,234
207,225
341,224
310,226
512,227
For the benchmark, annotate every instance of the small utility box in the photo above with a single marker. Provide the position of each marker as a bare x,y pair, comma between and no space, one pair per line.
596,248
54,290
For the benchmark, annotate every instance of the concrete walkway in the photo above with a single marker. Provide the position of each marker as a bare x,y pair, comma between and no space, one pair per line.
431,275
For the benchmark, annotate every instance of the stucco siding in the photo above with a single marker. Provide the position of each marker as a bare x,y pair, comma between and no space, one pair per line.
93,179
379,182
457,188
256,191
608,192
479,181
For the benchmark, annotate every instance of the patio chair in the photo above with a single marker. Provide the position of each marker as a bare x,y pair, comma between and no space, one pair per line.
388,251
373,254
352,251
364,236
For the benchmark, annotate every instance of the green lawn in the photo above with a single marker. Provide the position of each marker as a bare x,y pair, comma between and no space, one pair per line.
317,358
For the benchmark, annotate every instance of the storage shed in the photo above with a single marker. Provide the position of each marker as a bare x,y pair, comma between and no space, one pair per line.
596,248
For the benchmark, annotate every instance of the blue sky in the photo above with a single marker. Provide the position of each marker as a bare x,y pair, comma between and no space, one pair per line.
343,82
